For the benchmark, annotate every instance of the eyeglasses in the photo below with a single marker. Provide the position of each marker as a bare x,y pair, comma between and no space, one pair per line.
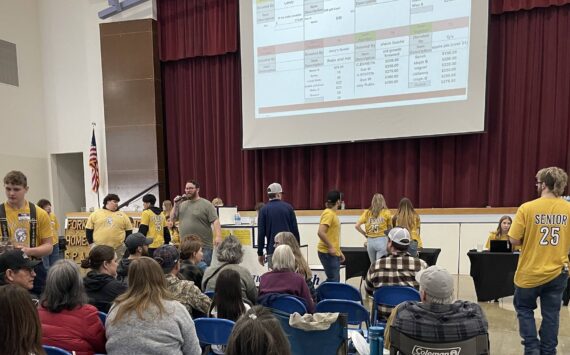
538,183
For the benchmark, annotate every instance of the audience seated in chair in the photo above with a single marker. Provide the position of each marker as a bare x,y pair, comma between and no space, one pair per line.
20,327
137,246
18,269
283,279
68,322
146,319
100,283
437,319
258,332
396,268
183,291
191,265
230,255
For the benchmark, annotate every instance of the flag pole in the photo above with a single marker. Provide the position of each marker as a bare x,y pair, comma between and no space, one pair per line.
93,124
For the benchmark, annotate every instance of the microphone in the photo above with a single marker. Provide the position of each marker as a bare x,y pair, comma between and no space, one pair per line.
180,198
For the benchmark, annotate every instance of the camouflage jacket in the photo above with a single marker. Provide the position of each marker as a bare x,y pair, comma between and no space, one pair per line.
188,294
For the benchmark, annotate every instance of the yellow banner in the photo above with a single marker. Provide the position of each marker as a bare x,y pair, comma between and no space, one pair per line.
244,235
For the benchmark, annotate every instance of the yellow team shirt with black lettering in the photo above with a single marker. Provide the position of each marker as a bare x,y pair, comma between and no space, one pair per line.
330,219
54,228
493,236
156,224
376,226
108,227
542,224
19,225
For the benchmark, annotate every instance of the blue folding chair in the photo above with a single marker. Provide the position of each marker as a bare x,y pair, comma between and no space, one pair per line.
356,312
54,350
103,317
392,296
213,331
288,304
338,291
209,294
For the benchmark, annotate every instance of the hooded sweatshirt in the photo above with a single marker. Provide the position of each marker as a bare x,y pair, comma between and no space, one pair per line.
102,289
153,225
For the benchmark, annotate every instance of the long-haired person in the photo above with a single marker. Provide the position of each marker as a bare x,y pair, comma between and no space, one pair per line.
258,332
407,217
502,232
283,278
376,219
301,265
191,265
146,319
20,327
101,282
68,321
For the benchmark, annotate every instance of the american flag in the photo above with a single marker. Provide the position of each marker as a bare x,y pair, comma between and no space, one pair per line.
94,164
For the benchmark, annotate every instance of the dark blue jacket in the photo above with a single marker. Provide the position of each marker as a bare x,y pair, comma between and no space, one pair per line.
276,216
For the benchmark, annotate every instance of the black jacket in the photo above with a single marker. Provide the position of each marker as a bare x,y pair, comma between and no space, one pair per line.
123,269
191,272
102,289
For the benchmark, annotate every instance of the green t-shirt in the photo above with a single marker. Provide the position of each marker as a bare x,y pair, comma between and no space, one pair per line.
196,217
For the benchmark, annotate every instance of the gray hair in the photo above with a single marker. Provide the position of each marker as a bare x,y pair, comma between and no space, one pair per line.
283,258
64,287
436,300
230,251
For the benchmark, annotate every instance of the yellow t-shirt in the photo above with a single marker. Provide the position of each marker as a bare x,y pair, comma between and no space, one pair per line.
376,226
156,224
55,228
492,236
542,224
330,219
108,227
19,225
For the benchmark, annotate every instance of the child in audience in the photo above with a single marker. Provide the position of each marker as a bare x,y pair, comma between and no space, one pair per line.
20,328
191,265
68,322
257,332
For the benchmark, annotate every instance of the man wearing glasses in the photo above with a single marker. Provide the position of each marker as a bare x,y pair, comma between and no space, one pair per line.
16,268
541,227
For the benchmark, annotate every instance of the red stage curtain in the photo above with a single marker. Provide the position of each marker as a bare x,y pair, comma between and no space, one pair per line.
528,104
499,6
191,28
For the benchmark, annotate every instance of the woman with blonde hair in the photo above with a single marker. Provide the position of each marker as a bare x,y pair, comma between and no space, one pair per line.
376,219
301,265
20,327
146,319
407,217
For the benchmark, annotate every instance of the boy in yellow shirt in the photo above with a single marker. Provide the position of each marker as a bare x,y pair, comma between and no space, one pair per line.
153,224
542,228
329,235
49,260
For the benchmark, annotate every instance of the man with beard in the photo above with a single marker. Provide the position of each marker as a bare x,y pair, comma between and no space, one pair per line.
197,216
137,246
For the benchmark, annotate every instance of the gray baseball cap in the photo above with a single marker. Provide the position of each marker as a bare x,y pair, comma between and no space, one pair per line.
436,281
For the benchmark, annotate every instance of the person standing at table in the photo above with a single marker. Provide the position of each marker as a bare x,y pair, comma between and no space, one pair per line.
276,216
407,217
377,219
502,232
329,235
541,227
197,216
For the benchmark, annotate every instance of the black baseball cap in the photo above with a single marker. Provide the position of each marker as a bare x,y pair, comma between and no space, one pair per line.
15,260
334,196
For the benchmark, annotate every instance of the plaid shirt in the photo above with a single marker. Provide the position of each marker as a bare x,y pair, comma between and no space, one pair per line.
396,269
437,323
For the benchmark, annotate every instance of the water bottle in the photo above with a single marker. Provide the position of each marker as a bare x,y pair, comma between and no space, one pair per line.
376,340
237,219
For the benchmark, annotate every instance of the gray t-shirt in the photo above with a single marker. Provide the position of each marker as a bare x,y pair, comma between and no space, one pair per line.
196,217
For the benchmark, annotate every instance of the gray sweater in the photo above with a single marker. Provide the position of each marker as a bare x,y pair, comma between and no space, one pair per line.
174,333
248,288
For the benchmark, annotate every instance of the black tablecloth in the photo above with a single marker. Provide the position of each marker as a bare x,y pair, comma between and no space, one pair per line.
493,274
357,261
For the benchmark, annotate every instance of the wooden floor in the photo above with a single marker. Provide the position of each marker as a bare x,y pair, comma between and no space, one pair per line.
502,318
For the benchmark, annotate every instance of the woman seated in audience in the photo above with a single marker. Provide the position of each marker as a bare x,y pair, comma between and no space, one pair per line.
407,217
101,284
20,327
230,254
227,302
502,232
174,232
284,279
191,265
146,319
301,265
377,219
68,321
257,332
